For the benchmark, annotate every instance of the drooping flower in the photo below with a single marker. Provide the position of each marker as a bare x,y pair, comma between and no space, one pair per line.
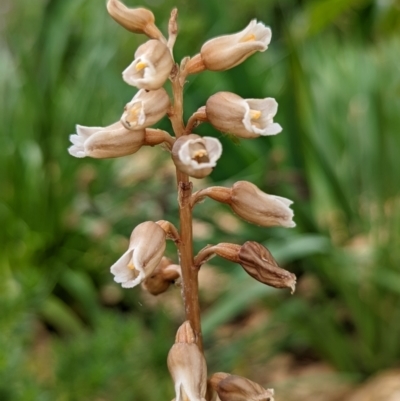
151,67
145,109
187,366
252,204
136,20
237,388
146,248
105,142
196,155
245,118
224,52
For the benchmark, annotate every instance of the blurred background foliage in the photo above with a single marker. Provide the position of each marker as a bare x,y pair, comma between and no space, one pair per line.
66,331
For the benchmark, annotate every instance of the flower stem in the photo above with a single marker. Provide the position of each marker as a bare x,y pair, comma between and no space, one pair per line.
190,285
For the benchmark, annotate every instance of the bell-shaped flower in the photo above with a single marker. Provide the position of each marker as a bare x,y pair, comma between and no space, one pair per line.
105,142
255,259
146,248
195,155
227,51
165,274
151,67
237,388
251,204
187,366
245,118
145,109
136,20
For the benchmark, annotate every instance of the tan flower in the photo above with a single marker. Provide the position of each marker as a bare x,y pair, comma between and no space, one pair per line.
105,142
196,155
146,248
145,109
136,20
245,118
237,388
227,51
187,367
151,67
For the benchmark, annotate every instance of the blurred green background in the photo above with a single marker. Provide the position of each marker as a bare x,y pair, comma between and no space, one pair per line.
67,332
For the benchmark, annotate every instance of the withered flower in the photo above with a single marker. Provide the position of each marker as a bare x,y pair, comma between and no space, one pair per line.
151,67
227,51
196,155
136,20
237,388
146,248
187,366
245,118
145,109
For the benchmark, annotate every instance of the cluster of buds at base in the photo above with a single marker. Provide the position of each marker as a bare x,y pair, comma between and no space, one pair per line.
251,204
255,259
236,388
187,366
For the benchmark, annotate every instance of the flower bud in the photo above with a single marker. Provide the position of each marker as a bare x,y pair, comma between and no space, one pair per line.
245,118
251,204
195,155
227,51
237,388
151,67
105,142
145,109
187,366
165,274
136,20
260,264
146,248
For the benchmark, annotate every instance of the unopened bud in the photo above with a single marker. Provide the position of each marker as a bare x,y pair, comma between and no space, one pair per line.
136,20
227,51
237,388
245,118
165,274
145,109
187,367
151,67
146,248
195,155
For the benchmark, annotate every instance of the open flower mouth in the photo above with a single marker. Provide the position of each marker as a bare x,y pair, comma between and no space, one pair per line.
199,153
132,114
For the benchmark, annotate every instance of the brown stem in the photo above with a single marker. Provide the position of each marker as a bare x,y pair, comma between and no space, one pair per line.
190,285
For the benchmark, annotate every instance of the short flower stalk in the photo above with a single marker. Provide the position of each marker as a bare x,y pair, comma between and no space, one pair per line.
194,156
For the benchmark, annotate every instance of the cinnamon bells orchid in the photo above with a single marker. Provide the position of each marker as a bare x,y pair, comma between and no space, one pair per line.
151,67
251,204
255,259
245,118
196,155
146,248
225,52
187,366
145,109
237,388
136,20
113,141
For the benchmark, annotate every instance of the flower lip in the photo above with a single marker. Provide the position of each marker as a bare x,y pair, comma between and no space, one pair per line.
202,152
